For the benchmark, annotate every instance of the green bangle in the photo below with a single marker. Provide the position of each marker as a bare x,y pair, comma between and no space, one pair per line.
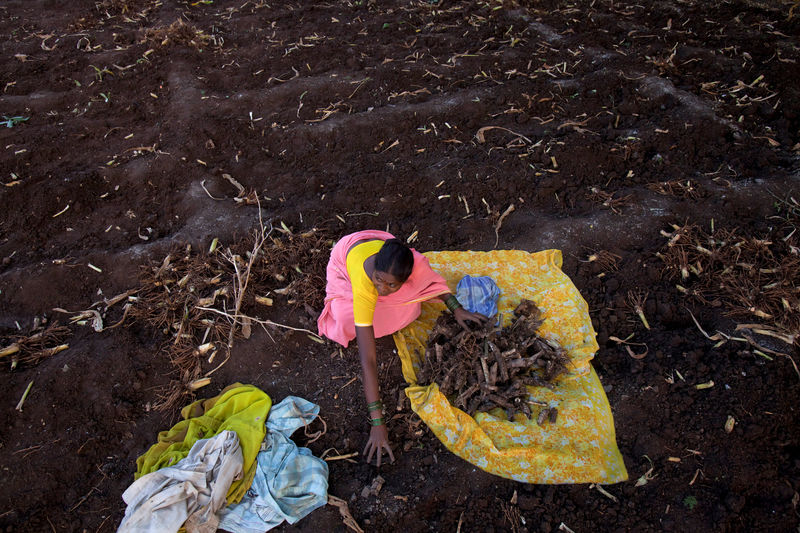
377,404
452,303
377,421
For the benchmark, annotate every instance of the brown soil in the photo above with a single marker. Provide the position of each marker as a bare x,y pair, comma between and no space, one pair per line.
612,121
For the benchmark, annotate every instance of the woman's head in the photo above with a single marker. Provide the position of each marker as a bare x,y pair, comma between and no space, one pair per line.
393,265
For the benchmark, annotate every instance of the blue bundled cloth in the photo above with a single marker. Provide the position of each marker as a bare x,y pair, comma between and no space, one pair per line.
478,294
289,483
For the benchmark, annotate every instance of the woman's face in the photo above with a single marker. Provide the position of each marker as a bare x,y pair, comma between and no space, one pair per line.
385,283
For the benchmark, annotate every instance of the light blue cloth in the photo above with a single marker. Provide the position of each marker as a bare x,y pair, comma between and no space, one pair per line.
289,482
478,294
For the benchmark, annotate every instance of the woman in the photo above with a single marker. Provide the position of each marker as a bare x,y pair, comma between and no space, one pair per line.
375,285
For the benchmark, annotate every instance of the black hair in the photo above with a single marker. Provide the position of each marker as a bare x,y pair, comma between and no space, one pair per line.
395,258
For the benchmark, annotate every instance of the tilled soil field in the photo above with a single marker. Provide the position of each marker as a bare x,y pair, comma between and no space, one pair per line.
656,144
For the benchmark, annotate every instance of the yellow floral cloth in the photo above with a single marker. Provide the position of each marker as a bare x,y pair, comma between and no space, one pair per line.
581,446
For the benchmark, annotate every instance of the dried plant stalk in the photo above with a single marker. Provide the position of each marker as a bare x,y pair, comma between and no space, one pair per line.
608,200
490,366
200,300
753,277
604,259
39,343
636,300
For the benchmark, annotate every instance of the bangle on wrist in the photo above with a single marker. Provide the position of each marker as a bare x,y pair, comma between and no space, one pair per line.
452,303
377,421
377,404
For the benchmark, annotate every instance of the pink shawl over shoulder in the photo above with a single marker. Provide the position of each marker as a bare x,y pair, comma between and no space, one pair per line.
392,312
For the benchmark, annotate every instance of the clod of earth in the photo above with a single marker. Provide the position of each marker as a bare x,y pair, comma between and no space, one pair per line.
491,367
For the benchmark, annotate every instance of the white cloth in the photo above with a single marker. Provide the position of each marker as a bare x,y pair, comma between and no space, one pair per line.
289,482
192,491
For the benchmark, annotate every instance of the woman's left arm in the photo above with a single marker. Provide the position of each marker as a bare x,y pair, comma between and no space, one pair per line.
461,315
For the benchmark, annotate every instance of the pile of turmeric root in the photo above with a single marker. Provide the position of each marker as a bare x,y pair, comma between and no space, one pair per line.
490,366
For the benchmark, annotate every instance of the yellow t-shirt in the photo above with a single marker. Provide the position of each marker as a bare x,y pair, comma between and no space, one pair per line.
364,294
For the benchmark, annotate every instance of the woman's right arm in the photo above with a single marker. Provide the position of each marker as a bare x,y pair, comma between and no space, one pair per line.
378,435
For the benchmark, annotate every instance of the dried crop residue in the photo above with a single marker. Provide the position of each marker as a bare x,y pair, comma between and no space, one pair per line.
491,367
44,340
755,276
177,33
200,300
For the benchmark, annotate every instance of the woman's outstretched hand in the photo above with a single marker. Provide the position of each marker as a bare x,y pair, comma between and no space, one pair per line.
378,441
463,316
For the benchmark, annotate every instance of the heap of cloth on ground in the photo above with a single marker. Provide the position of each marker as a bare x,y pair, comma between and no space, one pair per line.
202,464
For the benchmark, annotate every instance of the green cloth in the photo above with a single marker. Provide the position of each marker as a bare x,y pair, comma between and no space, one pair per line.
239,408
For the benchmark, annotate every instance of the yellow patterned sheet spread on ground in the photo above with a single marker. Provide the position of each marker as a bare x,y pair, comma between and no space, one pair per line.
581,446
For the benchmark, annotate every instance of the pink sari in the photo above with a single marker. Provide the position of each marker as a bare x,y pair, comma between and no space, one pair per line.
393,312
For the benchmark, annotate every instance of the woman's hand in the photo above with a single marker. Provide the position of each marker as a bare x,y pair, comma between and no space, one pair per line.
378,441
462,316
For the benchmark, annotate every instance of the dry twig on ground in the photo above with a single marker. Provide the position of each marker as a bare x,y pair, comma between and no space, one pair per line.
344,510
39,343
681,188
241,279
606,260
608,200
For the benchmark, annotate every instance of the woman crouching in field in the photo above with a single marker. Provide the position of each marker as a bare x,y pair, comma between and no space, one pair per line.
375,285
